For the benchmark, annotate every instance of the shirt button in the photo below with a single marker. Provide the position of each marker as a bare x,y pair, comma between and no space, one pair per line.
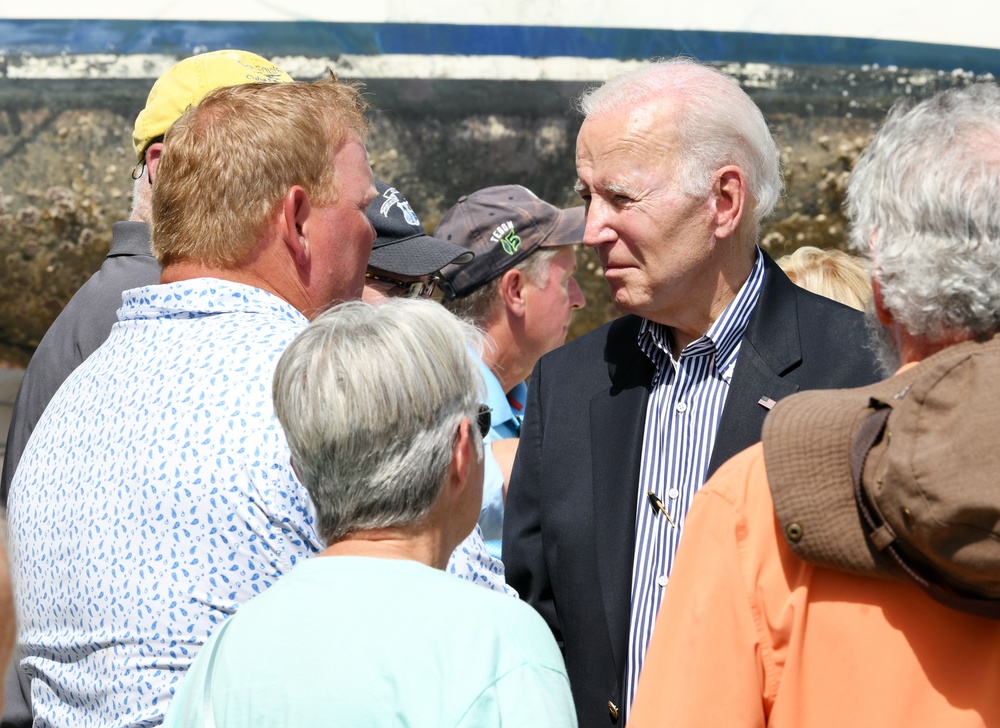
681,407
673,492
662,580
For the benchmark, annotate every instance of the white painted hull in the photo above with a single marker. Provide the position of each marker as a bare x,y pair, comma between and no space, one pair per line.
517,39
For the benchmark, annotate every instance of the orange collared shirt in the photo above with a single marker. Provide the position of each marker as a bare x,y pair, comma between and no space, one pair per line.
751,635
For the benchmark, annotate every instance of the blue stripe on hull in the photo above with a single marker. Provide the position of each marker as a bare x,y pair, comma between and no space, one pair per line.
52,37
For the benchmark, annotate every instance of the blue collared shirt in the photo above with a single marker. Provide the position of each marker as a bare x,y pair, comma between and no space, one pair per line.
473,560
682,419
505,422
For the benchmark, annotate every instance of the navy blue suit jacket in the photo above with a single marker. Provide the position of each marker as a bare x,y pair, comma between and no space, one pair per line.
569,527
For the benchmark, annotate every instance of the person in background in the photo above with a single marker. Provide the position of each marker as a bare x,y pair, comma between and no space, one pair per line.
846,571
155,496
623,425
406,263
520,290
373,633
86,321
831,273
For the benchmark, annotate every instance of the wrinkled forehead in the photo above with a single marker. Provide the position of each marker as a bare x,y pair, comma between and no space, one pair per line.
647,130
628,149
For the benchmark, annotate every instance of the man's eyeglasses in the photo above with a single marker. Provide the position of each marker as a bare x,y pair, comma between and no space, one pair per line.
410,289
483,419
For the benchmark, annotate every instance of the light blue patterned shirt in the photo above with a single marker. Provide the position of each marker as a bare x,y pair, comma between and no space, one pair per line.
473,562
154,498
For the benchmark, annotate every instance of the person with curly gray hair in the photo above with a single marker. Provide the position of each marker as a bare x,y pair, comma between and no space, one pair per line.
845,571
380,407
923,207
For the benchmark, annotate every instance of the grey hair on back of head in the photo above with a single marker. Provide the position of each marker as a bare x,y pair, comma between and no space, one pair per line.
923,205
370,398
718,125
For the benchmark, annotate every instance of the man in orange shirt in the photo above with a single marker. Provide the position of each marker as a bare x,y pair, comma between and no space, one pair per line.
846,572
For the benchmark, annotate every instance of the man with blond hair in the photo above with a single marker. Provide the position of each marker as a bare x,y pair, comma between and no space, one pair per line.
86,321
156,494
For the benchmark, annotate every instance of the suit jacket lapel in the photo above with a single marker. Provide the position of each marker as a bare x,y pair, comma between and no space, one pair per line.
618,417
770,348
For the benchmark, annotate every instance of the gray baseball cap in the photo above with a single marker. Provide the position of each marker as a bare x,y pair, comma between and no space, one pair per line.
502,226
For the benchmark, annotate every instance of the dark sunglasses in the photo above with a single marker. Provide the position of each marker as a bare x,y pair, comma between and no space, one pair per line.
483,419
413,289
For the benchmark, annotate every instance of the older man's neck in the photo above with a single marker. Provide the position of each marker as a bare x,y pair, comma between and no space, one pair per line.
505,356
690,321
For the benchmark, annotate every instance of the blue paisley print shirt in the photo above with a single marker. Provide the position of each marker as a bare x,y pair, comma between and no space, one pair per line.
154,497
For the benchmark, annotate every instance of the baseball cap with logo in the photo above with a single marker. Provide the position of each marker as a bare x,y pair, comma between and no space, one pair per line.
401,246
502,226
898,479
184,84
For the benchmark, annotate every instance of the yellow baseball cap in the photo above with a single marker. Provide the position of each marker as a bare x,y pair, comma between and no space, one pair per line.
183,85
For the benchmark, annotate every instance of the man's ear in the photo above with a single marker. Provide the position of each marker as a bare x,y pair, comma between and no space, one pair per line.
463,458
730,200
512,291
294,222
153,153
885,316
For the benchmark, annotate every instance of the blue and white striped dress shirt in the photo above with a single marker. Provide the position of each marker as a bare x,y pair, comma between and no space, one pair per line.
682,419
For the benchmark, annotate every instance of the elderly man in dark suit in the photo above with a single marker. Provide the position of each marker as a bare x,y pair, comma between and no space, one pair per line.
677,168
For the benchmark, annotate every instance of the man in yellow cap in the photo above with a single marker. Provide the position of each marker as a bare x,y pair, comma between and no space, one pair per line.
87,319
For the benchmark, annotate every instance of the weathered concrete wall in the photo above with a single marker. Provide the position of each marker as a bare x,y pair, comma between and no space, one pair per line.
65,162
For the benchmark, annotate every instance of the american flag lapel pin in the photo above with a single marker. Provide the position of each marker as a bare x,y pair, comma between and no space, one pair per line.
766,402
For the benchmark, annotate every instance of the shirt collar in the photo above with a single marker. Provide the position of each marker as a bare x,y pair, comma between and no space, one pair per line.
498,400
723,336
202,297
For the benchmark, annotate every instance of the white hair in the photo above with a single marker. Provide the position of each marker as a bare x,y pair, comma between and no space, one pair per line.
142,199
370,398
924,206
718,124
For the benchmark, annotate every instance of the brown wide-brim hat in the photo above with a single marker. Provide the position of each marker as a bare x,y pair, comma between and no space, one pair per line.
924,447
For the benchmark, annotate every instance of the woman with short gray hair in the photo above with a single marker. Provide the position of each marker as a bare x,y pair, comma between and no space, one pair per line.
380,408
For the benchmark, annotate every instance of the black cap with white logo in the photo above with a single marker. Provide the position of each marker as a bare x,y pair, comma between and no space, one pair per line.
401,246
